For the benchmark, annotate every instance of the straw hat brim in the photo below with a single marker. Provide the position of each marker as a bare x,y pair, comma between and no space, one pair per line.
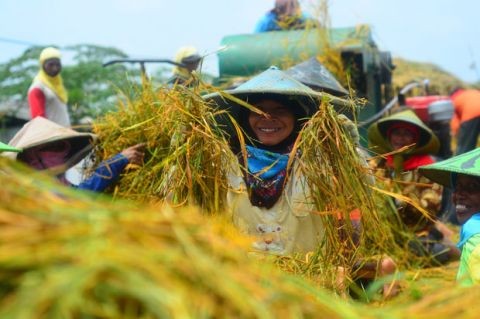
378,140
42,132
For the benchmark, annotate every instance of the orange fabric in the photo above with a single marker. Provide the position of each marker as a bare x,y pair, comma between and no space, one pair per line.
467,107
355,214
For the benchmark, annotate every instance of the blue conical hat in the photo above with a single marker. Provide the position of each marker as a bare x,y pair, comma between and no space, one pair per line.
441,172
7,148
377,134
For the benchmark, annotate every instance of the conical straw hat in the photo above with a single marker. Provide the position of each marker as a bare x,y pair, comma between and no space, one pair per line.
441,172
272,83
41,131
315,75
377,134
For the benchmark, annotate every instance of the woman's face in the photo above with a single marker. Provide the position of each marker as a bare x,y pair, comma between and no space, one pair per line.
47,156
466,197
52,67
275,128
401,137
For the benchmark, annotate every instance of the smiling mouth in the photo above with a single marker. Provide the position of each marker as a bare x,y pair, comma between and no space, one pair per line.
269,130
461,209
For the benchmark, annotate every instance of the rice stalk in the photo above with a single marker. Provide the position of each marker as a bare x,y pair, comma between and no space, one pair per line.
87,257
185,150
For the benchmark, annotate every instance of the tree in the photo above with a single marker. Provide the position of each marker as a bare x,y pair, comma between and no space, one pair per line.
92,88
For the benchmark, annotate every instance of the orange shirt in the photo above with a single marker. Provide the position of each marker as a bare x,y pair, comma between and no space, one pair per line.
467,107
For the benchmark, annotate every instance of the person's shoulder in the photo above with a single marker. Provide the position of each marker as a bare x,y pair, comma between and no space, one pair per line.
266,22
475,239
36,84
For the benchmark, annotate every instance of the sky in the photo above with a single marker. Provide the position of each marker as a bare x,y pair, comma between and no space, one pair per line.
443,32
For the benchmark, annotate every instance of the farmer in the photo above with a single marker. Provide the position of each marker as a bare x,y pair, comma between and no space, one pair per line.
410,144
462,172
465,123
286,15
265,200
48,146
47,97
269,199
190,59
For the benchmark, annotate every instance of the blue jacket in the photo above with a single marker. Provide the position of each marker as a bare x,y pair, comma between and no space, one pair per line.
106,174
269,22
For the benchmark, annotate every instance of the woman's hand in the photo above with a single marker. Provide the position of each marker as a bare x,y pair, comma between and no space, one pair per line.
135,153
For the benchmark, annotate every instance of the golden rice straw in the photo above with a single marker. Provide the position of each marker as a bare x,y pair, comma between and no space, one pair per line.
185,149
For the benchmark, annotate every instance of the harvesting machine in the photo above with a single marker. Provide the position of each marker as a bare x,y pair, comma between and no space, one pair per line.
370,69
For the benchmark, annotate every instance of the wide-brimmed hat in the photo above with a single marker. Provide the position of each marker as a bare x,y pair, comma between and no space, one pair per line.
272,82
441,172
7,148
41,132
315,75
378,139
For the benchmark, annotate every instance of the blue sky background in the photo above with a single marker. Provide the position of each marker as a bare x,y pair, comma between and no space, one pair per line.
443,32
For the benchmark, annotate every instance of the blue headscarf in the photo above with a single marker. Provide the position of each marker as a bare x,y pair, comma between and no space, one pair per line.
265,164
266,173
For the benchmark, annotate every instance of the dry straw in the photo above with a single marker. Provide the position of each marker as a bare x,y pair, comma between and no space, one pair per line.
186,162
185,150
66,255
340,183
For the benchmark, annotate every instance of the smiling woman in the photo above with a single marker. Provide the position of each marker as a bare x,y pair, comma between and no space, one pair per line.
267,201
462,172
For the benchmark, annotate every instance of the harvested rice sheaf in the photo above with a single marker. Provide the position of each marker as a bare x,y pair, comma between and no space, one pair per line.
186,161
341,186
66,255
185,152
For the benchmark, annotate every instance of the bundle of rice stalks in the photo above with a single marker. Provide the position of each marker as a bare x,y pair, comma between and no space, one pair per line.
64,255
184,153
341,187
330,56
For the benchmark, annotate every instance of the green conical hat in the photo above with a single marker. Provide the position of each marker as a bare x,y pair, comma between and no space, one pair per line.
7,148
378,140
441,172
